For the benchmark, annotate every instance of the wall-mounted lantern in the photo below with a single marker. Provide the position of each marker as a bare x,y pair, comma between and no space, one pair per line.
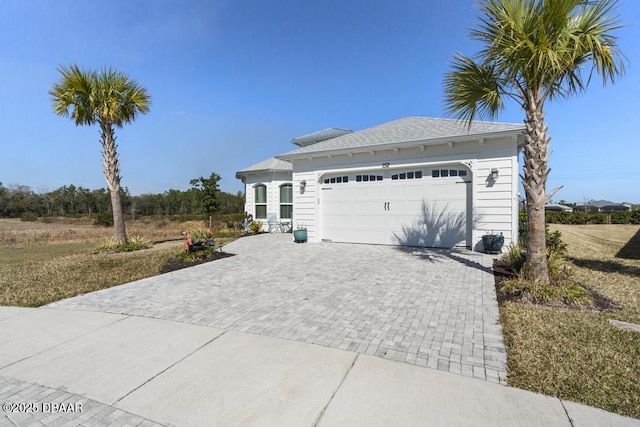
494,174
303,184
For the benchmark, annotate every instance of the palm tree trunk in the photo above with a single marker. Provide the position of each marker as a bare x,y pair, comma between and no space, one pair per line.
112,174
536,170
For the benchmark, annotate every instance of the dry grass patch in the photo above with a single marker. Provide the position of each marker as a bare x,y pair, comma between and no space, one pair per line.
576,354
45,262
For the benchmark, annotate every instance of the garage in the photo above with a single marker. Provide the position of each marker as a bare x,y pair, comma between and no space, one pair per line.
415,181
416,206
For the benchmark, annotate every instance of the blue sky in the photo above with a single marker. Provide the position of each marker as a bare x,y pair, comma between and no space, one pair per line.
234,81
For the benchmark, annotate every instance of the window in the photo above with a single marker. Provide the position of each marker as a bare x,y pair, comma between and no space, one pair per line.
260,201
418,174
443,173
394,177
403,176
338,180
286,201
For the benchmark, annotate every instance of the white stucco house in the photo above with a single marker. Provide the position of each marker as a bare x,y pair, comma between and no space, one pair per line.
415,181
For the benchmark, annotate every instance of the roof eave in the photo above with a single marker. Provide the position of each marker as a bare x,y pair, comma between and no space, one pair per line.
244,174
403,144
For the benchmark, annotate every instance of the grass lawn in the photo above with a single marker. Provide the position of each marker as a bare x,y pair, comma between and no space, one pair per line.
576,354
41,263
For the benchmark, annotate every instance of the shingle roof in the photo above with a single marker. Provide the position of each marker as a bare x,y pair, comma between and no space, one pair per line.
409,129
321,135
271,164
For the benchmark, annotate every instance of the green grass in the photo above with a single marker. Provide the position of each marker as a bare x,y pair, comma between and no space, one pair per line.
47,275
576,354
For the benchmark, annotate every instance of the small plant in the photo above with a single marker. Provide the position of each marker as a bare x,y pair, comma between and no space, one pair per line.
255,227
555,245
28,217
113,245
198,255
300,226
563,292
493,233
514,257
202,234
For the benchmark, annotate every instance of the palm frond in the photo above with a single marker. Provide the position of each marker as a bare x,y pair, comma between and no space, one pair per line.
472,90
108,97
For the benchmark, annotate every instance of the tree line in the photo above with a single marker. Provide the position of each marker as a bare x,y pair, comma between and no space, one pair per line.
18,201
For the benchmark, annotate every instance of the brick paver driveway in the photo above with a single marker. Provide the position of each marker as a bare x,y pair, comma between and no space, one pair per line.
435,308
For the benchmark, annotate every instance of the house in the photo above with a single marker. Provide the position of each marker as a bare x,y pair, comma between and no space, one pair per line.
603,206
268,184
415,181
556,207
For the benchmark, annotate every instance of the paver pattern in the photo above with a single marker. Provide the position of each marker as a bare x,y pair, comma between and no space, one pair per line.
44,406
429,307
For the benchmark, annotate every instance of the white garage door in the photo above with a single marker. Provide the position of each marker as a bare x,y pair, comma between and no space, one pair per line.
414,207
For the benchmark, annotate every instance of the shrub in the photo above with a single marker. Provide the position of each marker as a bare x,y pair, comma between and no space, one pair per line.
514,256
201,234
195,256
555,245
228,233
114,245
564,292
104,219
28,217
255,227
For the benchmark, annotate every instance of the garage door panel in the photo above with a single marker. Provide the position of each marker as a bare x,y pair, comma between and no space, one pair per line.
414,212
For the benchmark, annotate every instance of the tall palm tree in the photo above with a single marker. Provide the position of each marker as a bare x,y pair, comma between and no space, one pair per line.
110,99
534,51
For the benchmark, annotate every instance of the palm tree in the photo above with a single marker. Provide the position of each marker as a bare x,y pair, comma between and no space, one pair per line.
534,51
110,99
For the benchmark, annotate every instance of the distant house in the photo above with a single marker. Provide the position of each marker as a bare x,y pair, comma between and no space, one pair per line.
415,181
616,207
603,206
556,207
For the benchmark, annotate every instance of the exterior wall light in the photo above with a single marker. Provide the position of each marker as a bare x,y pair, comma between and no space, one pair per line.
494,174
303,184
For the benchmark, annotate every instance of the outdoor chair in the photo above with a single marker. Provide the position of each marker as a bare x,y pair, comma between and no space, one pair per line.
272,223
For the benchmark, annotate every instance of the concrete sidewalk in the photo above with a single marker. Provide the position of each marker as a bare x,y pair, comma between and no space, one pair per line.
65,368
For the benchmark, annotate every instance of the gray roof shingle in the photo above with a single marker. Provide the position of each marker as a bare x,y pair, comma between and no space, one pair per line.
271,164
408,129
321,135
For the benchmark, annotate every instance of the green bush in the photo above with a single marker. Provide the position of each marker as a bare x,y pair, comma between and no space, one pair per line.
564,292
28,217
228,233
514,256
555,245
104,219
255,227
135,243
187,256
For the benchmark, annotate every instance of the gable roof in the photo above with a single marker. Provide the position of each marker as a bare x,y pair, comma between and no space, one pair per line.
270,165
321,135
426,130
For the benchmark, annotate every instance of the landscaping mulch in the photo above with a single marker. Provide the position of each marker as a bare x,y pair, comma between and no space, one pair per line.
177,264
